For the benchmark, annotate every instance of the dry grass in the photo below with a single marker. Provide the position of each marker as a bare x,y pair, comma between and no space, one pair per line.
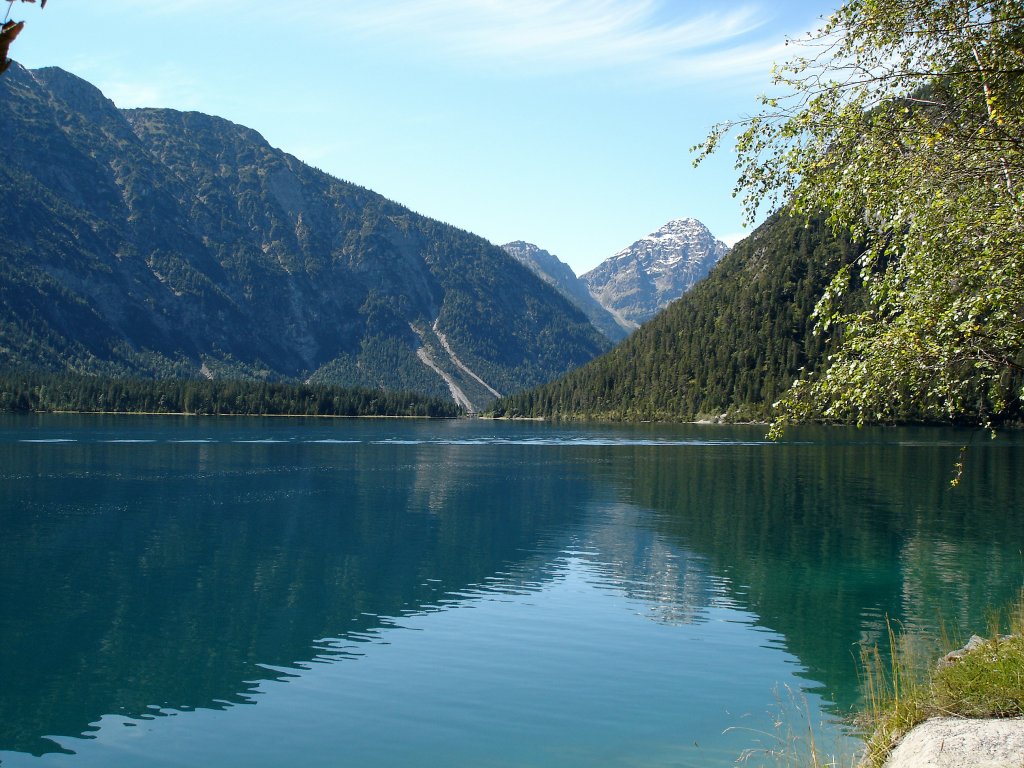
792,741
908,689
904,688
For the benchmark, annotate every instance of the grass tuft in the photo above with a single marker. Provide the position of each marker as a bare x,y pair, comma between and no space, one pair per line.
988,682
905,687
792,742
909,688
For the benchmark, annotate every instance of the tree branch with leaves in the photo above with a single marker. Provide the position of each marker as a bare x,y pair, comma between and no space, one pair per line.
903,120
9,33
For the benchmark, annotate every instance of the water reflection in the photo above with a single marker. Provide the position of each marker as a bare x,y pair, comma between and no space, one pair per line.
830,536
194,566
674,585
179,577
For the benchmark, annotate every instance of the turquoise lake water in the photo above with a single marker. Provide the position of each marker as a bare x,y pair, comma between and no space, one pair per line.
292,592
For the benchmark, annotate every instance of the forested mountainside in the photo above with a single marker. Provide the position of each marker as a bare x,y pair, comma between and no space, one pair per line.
557,273
641,280
160,244
732,344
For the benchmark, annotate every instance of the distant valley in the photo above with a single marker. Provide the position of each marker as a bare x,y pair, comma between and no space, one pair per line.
632,286
725,350
560,275
158,244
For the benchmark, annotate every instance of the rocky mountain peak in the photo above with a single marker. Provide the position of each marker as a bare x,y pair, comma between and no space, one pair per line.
642,279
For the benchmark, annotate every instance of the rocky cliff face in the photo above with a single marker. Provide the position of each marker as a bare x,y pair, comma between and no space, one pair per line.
560,275
639,281
160,243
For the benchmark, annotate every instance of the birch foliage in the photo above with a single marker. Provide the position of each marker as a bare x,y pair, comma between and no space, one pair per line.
904,120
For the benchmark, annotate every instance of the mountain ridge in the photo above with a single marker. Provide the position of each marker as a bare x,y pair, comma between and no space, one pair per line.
163,243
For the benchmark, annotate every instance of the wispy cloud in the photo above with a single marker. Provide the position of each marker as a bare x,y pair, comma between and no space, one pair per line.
742,60
655,38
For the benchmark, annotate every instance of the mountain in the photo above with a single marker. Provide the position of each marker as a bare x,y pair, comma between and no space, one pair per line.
641,280
732,345
158,243
560,275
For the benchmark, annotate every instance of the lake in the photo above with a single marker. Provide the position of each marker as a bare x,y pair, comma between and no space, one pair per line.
275,592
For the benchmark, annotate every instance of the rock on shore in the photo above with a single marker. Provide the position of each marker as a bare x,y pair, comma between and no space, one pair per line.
953,742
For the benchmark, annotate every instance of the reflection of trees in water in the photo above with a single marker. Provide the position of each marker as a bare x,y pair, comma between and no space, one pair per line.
165,576
824,542
956,582
132,577
171,576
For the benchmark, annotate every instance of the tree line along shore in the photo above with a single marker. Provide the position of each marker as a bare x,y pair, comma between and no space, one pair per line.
47,392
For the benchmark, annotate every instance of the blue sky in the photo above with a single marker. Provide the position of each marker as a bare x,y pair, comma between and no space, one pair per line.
566,123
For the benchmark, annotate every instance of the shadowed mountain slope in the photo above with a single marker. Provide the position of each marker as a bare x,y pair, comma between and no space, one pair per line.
560,275
160,243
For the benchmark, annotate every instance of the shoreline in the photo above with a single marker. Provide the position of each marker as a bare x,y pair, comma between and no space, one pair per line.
230,415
